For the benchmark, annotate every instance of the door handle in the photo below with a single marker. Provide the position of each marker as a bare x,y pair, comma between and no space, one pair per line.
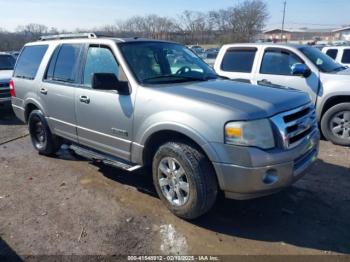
43,91
84,99
265,81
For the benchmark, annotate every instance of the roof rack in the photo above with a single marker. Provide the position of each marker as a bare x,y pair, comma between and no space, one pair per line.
67,36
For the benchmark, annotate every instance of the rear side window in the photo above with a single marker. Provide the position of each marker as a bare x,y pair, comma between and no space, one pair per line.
346,56
238,60
63,66
332,53
29,61
7,62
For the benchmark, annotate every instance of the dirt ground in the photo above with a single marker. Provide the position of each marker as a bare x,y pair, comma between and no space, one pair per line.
65,206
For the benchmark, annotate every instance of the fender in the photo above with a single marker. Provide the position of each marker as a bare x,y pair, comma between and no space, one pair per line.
184,130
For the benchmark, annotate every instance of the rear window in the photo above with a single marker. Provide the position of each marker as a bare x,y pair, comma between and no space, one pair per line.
332,53
7,62
29,61
346,56
238,60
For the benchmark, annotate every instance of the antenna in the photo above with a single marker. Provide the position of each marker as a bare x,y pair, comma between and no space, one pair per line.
284,17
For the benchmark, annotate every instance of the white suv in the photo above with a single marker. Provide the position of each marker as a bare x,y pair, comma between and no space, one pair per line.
341,54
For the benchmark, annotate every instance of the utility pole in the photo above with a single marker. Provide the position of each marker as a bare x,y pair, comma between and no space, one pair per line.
284,16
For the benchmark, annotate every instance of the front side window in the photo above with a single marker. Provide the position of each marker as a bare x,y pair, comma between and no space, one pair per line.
99,60
29,61
63,66
7,62
238,60
346,56
278,62
161,62
332,53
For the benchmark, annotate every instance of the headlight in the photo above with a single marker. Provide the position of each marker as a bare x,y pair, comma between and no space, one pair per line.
256,133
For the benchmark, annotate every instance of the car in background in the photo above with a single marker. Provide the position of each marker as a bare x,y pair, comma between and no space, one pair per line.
15,54
198,50
7,63
341,54
298,67
211,55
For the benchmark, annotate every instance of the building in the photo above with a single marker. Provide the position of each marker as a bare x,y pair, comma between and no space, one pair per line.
342,34
298,35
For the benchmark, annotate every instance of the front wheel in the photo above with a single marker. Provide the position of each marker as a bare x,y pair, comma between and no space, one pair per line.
42,139
335,124
184,179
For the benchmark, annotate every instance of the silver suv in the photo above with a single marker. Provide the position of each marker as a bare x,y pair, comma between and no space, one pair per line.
135,103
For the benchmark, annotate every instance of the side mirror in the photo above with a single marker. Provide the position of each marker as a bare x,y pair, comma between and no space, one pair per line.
301,70
109,81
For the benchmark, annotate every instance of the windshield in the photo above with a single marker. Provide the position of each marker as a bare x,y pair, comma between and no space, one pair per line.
160,63
321,60
7,62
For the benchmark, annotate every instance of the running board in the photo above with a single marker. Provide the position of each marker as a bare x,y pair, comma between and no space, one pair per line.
106,159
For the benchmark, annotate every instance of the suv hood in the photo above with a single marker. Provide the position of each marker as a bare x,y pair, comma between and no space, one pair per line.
341,76
245,101
5,75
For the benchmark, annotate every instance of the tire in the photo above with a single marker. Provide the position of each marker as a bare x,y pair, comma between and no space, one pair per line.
42,139
335,124
199,175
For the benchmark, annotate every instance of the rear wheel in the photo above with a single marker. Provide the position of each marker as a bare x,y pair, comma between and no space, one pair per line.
42,139
335,124
184,179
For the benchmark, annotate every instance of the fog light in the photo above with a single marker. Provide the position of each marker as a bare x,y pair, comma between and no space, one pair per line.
270,177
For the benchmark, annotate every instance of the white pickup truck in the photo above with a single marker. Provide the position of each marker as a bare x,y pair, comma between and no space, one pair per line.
299,67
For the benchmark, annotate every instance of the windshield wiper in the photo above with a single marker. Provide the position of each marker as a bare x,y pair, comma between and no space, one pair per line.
189,78
340,68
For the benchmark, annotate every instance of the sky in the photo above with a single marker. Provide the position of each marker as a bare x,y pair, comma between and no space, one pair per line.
71,14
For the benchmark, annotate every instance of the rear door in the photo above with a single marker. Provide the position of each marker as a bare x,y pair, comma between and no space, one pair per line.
276,69
104,117
58,89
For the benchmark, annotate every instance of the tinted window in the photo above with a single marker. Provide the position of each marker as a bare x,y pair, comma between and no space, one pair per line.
99,60
67,63
29,61
332,53
51,67
7,62
346,56
236,60
278,62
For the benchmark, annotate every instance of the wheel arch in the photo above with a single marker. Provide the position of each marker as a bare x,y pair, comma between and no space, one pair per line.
160,137
332,101
31,105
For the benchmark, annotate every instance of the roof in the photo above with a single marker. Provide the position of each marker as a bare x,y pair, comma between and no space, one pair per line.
301,30
347,28
266,44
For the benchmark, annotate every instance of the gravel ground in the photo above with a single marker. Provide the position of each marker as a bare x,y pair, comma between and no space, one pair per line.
65,206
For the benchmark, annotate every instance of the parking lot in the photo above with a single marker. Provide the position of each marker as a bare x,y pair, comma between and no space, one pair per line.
66,205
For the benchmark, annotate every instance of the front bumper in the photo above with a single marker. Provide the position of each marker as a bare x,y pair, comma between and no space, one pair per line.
240,182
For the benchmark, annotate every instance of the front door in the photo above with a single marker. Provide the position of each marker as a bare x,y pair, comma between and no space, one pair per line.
104,118
276,69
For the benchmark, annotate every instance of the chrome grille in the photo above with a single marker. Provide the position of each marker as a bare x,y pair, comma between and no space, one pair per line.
295,125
